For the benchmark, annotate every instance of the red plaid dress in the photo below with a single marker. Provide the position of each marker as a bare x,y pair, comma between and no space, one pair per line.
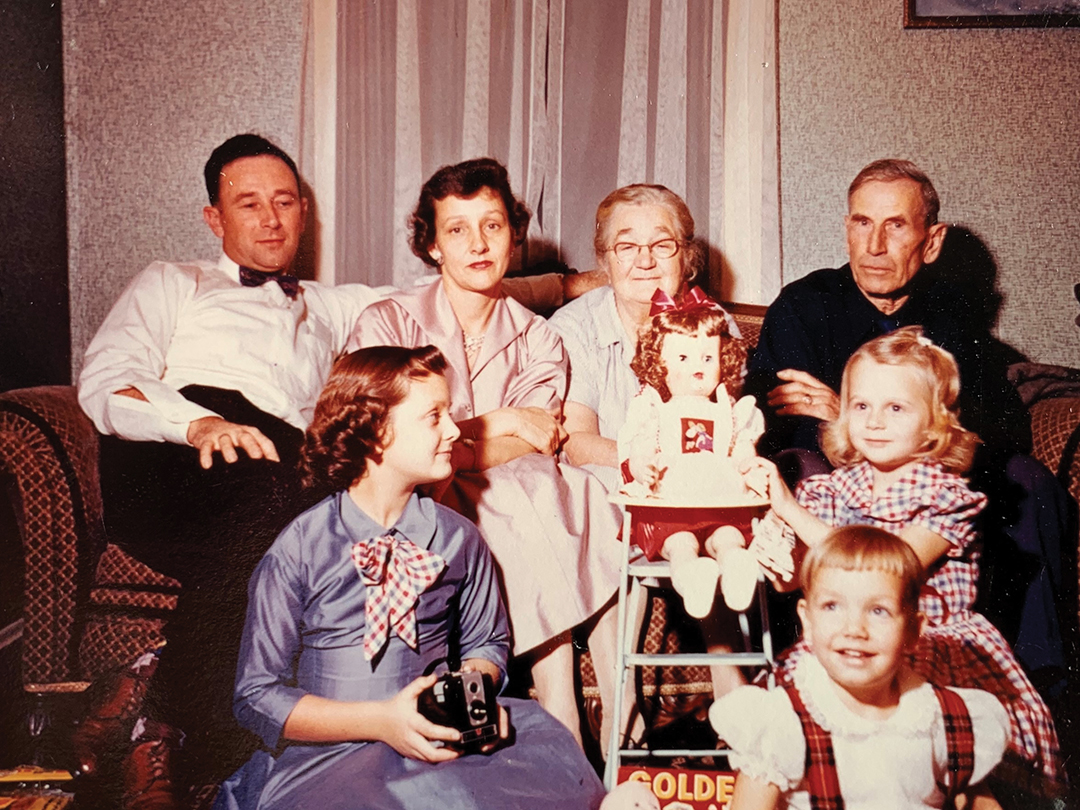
823,781
959,647
908,759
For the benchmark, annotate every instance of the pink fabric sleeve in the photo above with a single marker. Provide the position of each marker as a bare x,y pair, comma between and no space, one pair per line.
543,366
818,495
384,323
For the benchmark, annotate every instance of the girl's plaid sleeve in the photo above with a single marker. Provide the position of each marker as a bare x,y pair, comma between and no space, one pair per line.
949,509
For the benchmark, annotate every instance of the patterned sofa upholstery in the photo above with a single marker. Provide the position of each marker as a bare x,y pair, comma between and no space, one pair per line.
89,607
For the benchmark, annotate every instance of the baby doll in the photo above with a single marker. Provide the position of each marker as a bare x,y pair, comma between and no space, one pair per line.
683,441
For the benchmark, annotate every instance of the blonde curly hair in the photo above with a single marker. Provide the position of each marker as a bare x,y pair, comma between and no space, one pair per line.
948,442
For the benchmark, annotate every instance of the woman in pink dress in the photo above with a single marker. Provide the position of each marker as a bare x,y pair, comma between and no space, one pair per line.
550,526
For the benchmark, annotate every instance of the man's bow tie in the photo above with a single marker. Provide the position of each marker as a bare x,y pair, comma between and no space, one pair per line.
290,285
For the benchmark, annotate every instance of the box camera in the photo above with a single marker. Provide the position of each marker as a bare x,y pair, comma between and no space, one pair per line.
464,701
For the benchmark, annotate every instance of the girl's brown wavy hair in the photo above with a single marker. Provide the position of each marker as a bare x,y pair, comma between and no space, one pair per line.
349,426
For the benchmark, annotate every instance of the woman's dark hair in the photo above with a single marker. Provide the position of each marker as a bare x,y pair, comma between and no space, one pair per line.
351,416
466,180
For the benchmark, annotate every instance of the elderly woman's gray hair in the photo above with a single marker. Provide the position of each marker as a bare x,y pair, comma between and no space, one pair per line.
691,253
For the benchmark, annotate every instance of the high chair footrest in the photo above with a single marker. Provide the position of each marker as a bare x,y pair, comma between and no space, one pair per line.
742,659
642,753
660,570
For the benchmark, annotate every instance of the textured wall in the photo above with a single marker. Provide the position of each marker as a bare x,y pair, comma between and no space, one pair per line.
991,115
151,87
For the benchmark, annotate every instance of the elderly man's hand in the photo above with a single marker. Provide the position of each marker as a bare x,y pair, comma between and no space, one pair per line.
212,434
803,395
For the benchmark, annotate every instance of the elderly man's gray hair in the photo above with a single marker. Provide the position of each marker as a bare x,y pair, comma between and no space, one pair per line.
890,169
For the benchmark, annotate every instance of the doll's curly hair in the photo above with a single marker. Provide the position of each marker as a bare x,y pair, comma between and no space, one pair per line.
650,368
947,441
351,416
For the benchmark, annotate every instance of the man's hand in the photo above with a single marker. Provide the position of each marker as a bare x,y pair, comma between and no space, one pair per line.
803,395
577,284
212,434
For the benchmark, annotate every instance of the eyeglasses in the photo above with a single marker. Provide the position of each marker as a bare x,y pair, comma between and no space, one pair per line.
662,249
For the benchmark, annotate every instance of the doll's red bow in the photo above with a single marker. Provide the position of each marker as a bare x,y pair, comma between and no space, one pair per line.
693,300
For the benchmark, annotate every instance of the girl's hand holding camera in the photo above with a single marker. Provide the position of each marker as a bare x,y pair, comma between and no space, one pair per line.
411,734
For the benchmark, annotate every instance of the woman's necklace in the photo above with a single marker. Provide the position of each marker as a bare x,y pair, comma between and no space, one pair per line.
473,343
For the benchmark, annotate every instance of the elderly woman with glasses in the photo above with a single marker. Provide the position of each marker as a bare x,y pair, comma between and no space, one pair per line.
644,240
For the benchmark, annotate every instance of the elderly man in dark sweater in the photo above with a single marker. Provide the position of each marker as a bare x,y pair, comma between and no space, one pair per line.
819,321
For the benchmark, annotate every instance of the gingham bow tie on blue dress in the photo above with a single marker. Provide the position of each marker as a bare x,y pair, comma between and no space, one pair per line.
395,571
290,285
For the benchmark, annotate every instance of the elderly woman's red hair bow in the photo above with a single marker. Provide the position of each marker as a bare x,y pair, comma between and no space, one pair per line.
693,300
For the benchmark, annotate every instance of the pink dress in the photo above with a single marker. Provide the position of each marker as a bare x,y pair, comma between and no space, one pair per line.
550,526
958,647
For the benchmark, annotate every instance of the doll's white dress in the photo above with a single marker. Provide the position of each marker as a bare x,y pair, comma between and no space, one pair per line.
700,444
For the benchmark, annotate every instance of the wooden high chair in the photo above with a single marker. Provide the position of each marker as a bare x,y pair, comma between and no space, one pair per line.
642,574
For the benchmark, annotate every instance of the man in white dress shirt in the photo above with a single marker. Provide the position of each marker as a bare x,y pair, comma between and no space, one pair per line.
201,379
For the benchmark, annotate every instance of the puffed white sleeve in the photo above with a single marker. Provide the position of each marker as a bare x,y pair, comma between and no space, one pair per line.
990,724
129,351
764,734
749,423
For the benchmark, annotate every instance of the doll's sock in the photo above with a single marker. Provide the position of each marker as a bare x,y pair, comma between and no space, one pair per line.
739,579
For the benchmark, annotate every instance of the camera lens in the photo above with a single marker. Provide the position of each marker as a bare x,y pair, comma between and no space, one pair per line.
477,710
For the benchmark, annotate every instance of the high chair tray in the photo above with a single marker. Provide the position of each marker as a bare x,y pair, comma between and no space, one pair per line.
659,503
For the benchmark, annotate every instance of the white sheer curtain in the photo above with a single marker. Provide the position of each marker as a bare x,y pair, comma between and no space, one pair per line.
576,97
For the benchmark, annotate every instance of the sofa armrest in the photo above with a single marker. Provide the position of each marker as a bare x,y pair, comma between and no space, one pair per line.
49,451
1055,431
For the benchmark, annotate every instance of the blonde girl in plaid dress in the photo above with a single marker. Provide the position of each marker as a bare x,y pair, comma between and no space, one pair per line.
900,452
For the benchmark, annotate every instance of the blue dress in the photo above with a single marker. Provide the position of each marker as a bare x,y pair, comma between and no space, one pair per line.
304,634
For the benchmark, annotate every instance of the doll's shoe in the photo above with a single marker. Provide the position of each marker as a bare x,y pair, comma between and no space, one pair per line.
695,581
739,580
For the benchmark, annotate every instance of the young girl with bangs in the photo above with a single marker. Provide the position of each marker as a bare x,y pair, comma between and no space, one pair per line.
900,453
358,603
854,727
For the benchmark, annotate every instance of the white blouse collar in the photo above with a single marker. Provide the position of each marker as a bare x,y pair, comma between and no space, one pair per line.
913,716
